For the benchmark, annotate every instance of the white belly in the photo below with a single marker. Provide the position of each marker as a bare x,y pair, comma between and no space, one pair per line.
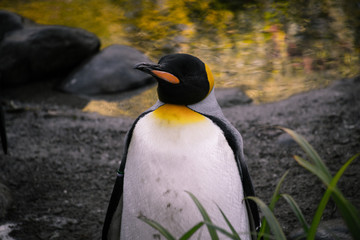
163,162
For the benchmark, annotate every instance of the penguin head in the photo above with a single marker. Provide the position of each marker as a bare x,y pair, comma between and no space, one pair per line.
182,78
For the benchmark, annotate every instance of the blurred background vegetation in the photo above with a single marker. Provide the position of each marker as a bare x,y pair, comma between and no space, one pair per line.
270,49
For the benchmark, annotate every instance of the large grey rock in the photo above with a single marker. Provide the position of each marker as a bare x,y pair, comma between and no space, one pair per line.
41,51
9,22
111,70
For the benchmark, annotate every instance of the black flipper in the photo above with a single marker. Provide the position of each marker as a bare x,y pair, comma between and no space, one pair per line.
115,201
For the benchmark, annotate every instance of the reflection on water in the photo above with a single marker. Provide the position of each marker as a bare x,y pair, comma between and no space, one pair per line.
270,49
131,107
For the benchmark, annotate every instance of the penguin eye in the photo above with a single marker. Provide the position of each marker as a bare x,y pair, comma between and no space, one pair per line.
166,76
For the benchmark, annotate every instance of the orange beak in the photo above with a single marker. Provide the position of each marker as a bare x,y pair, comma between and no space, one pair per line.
156,71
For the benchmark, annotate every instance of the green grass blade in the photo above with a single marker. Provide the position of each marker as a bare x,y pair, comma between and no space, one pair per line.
350,214
205,216
223,231
158,227
192,230
264,226
296,209
236,236
310,151
276,194
272,221
317,217
264,230
348,211
313,169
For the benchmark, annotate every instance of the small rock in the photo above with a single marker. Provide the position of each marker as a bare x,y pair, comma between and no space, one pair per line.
5,231
5,200
111,70
357,79
228,97
3,135
285,140
57,210
328,230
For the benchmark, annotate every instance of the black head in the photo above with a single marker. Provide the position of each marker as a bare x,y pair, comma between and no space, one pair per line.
183,79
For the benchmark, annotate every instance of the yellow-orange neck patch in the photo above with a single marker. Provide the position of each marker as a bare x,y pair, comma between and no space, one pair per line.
177,114
210,78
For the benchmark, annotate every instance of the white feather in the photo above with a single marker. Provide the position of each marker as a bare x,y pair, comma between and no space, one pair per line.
163,162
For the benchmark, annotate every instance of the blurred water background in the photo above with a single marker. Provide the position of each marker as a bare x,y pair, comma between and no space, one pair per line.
269,49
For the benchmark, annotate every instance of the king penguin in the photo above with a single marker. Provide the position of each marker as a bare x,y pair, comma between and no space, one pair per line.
181,144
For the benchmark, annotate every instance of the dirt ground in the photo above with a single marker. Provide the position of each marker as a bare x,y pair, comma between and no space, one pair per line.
62,162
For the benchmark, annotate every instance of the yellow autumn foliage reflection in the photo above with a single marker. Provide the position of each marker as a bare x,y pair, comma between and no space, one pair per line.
97,16
131,107
270,49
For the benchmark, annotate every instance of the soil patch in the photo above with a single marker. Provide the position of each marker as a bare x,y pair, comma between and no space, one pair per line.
62,162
